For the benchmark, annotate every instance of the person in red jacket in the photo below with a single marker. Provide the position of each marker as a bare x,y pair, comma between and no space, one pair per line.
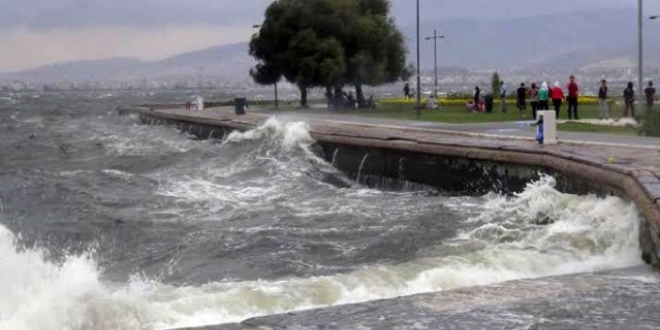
557,96
573,93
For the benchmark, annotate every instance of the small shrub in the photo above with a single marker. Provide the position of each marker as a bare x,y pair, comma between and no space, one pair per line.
651,123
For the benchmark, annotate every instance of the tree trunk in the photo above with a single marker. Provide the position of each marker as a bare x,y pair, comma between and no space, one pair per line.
303,97
360,96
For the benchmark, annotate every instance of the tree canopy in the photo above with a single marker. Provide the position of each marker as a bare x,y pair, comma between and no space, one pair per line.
496,84
329,44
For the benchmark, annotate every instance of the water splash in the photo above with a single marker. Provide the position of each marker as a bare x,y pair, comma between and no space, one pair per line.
587,234
334,157
287,135
402,169
359,174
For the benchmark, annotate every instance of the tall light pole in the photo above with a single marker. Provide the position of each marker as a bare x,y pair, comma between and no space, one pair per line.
435,38
418,104
277,103
640,36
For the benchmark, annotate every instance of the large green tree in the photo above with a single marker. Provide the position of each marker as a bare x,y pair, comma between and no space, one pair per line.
496,84
330,44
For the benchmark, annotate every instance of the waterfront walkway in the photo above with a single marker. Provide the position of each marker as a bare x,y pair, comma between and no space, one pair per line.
631,152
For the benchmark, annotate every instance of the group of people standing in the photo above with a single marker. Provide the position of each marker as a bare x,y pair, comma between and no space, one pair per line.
629,98
541,96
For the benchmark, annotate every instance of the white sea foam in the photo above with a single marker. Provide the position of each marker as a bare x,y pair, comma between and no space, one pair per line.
282,154
288,135
587,234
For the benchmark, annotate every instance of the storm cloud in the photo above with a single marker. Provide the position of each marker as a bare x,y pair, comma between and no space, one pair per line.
38,32
49,14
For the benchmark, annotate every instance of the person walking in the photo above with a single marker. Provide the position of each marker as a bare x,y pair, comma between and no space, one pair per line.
557,96
534,99
477,96
602,101
503,92
522,95
649,92
629,100
544,97
573,93
406,91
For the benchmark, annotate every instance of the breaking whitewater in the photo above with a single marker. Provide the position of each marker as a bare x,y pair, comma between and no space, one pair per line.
108,224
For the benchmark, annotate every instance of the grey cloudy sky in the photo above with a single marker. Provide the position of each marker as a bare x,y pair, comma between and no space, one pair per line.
37,32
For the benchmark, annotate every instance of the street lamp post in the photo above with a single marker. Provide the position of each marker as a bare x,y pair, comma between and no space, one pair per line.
640,63
277,102
418,104
435,38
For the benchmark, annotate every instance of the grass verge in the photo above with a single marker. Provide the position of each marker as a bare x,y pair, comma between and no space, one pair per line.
459,115
589,128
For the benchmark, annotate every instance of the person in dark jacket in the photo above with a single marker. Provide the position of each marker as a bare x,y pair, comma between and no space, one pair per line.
477,95
629,100
522,96
573,93
649,92
534,99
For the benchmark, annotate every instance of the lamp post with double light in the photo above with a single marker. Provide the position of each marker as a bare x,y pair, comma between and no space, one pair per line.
435,38
418,103
640,50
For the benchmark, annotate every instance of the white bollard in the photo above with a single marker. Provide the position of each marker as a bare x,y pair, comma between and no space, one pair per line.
200,103
549,126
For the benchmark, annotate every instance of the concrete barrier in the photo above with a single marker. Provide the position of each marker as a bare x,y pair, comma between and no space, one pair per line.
549,126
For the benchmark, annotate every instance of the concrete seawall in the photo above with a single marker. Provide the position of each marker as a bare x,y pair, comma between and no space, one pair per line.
390,157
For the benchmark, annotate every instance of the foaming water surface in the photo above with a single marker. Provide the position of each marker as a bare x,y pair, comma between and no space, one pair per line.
108,224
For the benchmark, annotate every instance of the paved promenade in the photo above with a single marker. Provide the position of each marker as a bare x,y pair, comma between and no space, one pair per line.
632,152
522,128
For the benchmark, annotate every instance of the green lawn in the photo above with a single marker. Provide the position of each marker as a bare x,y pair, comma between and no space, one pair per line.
579,127
459,115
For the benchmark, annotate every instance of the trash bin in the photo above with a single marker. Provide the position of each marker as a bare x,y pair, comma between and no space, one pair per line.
240,105
488,102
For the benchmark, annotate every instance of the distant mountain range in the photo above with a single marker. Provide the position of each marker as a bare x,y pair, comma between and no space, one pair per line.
559,42
230,61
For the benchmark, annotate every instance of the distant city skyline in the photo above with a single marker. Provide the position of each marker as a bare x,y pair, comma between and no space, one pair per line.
51,31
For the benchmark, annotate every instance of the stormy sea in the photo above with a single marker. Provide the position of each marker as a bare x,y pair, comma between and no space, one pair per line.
109,224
